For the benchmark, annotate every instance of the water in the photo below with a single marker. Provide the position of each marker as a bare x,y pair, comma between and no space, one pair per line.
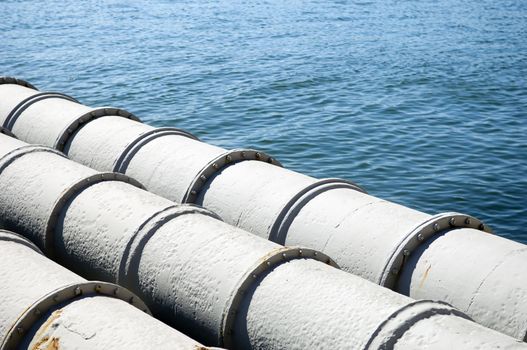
420,102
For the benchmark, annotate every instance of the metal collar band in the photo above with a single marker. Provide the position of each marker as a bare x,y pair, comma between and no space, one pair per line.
65,294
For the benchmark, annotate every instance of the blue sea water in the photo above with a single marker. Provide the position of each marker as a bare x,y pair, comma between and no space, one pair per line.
421,102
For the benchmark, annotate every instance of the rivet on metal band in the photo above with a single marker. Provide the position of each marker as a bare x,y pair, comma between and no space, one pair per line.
79,122
395,325
121,163
132,252
15,113
421,233
271,260
48,244
63,295
15,81
219,163
278,232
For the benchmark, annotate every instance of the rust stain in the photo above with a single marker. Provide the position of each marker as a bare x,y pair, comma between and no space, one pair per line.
425,276
47,344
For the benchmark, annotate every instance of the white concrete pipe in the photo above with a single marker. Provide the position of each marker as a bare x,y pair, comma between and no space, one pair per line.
365,235
45,306
216,282
46,118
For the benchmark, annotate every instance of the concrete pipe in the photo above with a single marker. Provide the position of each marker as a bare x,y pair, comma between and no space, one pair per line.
45,306
46,118
213,280
365,235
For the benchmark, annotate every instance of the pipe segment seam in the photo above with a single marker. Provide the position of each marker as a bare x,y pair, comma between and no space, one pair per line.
267,263
62,295
11,118
7,132
217,164
9,236
58,206
95,113
422,232
132,252
394,327
13,155
121,163
21,82
285,218
48,245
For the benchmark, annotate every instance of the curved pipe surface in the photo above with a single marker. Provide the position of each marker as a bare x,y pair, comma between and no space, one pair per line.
213,280
45,306
364,234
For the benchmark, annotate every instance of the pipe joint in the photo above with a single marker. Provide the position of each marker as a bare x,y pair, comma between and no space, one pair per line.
389,331
422,232
7,132
95,113
65,294
9,236
15,81
12,117
48,243
15,154
283,221
219,163
133,147
132,252
264,265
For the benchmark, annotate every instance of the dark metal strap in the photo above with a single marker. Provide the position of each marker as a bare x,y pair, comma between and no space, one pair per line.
132,252
15,81
283,221
6,132
396,325
219,163
121,164
66,294
79,122
10,157
9,236
15,113
422,232
76,188
263,266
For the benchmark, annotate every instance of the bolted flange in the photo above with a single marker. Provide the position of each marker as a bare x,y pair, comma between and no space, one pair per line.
133,147
11,118
283,221
15,81
421,233
394,327
264,265
95,113
219,163
62,295
58,206
132,252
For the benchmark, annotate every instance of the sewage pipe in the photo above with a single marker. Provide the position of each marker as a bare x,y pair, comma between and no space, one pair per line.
45,306
448,256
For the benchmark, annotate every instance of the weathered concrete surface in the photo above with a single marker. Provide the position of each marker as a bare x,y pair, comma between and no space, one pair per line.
212,280
364,234
89,320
